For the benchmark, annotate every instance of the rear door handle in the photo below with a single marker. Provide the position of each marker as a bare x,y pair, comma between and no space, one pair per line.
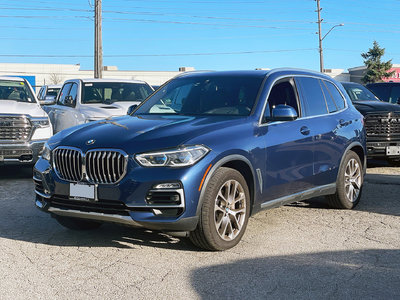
344,123
304,130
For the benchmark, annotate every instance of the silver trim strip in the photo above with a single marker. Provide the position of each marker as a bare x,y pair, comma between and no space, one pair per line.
261,124
94,216
43,195
311,193
260,180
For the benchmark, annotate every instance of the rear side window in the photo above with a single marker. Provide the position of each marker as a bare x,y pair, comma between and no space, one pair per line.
328,98
313,100
335,95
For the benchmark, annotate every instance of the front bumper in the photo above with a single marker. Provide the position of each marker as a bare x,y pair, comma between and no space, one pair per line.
125,202
378,149
24,153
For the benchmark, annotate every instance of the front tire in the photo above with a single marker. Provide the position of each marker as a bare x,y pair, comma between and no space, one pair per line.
349,183
224,212
77,223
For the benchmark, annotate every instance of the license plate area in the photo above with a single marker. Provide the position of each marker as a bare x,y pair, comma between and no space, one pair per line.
85,192
392,150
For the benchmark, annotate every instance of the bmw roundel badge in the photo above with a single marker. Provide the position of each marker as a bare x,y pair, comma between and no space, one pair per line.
90,142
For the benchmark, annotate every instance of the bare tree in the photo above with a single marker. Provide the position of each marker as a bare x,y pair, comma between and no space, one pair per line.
56,78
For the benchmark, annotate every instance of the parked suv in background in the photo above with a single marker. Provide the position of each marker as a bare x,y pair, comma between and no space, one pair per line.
84,100
206,151
386,91
48,93
382,123
24,126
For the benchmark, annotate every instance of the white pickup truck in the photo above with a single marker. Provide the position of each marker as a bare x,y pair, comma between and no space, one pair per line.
85,100
24,125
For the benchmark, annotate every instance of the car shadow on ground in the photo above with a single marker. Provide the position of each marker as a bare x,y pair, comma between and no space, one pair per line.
21,220
15,172
371,199
362,274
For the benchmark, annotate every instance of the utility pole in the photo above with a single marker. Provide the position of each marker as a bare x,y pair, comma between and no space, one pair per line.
98,44
321,56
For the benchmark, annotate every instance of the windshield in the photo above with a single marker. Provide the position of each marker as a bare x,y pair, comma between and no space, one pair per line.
52,92
359,93
205,95
16,91
110,92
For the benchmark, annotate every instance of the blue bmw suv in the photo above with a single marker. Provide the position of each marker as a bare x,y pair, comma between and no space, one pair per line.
205,152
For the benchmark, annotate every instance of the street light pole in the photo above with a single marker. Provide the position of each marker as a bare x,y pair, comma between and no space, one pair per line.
321,56
321,38
98,44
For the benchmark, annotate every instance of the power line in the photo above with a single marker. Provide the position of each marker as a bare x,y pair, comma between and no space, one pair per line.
158,55
204,24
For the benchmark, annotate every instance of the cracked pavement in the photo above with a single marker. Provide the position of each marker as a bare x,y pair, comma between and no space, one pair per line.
304,250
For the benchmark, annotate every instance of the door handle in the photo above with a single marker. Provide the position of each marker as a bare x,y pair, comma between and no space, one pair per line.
343,123
304,130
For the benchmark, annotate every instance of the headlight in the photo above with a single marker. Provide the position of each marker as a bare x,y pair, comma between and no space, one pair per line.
46,152
174,158
40,122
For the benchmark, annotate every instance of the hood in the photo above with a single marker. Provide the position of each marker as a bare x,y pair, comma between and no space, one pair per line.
21,108
135,134
366,107
101,110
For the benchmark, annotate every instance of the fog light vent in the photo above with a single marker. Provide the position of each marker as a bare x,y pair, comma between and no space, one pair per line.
163,198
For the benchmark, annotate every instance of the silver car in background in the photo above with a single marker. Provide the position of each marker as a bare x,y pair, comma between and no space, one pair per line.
84,100
48,93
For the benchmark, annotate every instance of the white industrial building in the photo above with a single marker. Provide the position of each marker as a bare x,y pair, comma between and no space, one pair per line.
41,74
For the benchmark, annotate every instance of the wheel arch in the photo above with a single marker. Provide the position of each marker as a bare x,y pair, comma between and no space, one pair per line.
359,150
238,163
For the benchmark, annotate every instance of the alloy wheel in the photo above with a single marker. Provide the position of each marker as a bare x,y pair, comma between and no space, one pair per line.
352,180
230,210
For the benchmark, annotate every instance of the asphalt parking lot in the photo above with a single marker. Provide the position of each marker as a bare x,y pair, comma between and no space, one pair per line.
304,251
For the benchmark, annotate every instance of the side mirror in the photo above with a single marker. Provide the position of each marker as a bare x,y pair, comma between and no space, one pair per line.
131,109
48,101
69,101
283,113
398,100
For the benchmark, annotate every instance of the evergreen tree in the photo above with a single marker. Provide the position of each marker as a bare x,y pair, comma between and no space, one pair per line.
376,69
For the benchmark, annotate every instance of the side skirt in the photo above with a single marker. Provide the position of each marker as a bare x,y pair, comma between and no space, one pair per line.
318,191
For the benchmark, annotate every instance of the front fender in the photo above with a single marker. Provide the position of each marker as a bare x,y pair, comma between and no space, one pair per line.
220,161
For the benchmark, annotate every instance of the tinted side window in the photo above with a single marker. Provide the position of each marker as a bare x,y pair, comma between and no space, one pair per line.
335,94
64,93
381,90
283,92
313,99
328,97
40,95
74,91
395,94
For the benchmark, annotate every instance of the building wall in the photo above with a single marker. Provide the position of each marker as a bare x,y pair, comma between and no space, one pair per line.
48,73
396,76
357,73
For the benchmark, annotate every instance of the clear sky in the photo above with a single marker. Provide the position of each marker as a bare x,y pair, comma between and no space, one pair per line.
162,35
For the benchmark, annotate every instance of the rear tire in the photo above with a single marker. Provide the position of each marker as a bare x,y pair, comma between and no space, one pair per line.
224,212
77,223
349,183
